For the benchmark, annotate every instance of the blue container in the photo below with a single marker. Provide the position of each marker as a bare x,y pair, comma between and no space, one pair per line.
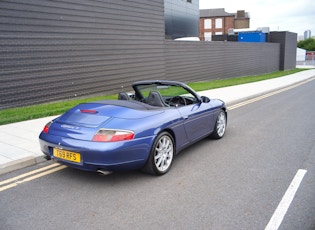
252,37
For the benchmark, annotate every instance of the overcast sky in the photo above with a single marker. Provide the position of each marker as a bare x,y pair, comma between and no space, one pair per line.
280,15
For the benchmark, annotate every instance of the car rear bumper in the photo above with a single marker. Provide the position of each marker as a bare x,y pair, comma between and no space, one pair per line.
109,156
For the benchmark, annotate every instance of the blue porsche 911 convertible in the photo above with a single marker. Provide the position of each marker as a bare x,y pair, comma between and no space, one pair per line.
143,129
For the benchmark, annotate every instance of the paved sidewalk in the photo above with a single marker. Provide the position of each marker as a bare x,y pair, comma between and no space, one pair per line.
234,94
19,146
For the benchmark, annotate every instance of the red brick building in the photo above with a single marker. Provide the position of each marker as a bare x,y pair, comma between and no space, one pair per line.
219,22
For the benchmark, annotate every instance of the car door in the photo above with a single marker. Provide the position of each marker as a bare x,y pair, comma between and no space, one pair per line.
198,120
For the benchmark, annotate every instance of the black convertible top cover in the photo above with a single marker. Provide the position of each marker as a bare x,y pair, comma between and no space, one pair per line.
130,104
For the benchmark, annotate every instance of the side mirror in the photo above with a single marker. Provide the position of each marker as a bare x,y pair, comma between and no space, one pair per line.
205,99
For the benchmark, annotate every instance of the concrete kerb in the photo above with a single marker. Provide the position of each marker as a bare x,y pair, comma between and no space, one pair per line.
238,93
19,146
20,163
233,102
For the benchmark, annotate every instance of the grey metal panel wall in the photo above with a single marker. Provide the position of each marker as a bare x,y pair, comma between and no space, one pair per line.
201,61
288,43
53,50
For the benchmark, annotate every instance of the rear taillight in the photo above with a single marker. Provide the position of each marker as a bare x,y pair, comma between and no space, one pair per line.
91,111
46,127
109,135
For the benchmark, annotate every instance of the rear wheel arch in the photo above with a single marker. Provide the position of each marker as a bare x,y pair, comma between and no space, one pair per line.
170,132
161,154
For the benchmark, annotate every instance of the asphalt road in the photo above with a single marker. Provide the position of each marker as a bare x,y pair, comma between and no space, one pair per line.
233,183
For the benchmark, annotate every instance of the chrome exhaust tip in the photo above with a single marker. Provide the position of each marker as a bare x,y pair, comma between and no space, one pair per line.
104,172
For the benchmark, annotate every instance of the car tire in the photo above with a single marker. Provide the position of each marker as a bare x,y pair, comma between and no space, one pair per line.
161,155
220,126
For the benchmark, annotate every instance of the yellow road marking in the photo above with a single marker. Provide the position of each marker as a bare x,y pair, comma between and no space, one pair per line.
267,95
28,173
12,182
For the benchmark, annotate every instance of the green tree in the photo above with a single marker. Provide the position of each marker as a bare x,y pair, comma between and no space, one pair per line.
307,44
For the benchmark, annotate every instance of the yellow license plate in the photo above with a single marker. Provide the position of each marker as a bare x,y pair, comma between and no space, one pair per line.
67,155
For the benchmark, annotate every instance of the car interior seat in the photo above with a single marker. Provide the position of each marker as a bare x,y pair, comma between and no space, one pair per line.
123,96
155,99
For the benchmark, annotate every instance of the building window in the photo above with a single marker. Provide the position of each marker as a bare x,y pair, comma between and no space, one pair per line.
218,23
189,1
208,36
208,23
